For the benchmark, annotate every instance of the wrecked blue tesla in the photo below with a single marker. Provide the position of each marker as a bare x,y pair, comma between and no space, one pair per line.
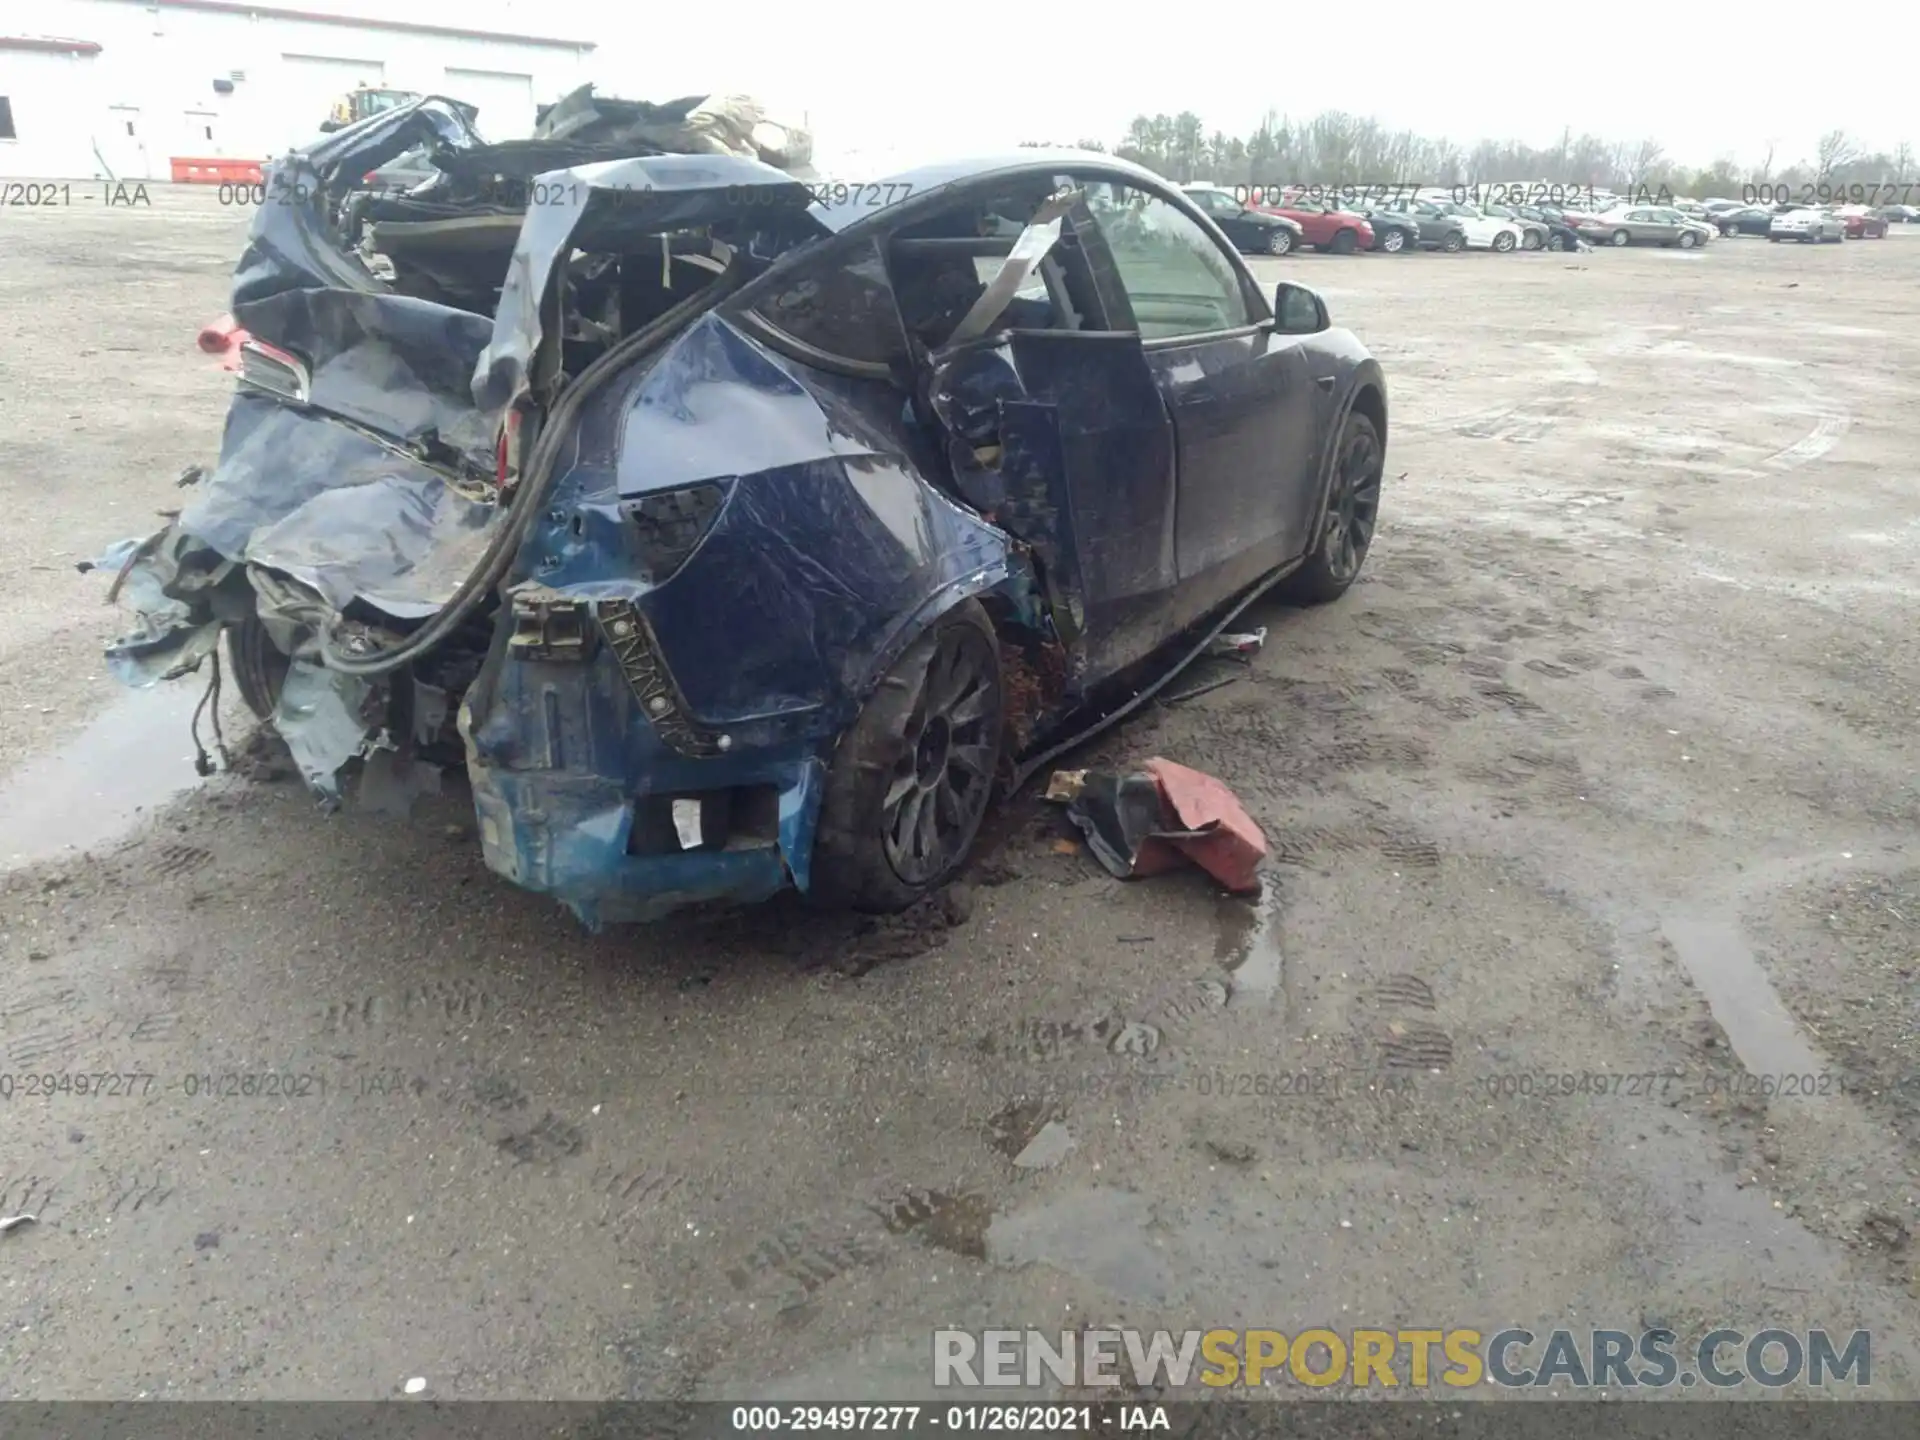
737,531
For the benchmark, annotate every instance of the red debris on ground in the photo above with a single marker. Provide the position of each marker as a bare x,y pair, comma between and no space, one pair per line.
1233,844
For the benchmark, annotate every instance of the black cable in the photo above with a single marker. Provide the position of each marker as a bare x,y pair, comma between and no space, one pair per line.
541,467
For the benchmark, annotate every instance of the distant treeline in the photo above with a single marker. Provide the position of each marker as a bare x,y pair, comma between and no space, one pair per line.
1336,148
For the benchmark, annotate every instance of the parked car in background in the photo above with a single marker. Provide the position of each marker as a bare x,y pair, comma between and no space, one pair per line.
1643,225
1900,214
1326,227
1717,204
1253,232
1393,234
1477,231
1560,235
1703,230
1432,230
1744,220
1862,222
1808,226
1533,233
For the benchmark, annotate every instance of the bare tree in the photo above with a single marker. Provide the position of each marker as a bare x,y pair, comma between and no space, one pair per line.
1834,152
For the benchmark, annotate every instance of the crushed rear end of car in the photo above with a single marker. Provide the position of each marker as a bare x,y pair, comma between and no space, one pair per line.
500,486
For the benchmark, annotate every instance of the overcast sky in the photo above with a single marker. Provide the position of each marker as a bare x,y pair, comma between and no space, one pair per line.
902,79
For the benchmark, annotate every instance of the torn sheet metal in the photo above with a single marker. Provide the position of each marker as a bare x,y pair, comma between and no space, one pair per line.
167,640
606,206
325,718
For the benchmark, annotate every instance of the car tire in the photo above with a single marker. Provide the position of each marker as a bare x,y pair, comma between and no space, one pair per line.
1344,242
1392,242
1688,240
1502,243
1532,241
1774,238
1727,232
1279,241
259,666
1556,243
1621,238
1454,243
900,761
1352,512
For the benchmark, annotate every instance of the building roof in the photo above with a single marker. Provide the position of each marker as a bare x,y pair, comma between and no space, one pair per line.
49,43
370,21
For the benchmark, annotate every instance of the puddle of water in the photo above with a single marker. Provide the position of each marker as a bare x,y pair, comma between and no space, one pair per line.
134,755
1762,1033
1100,1234
1249,946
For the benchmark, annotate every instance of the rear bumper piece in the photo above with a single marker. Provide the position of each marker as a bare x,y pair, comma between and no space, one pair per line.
568,839
571,781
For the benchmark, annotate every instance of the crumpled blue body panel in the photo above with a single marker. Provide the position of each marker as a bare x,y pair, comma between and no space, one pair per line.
828,556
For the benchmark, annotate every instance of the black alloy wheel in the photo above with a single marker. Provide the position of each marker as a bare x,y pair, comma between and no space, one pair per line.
1353,510
912,777
942,779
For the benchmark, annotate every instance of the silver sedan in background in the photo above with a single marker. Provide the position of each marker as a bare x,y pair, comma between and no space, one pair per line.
1808,226
1644,225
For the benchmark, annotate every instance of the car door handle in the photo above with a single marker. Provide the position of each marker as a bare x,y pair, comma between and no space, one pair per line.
1325,382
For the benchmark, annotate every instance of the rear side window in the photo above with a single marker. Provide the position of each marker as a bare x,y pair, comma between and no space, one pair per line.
1178,280
842,306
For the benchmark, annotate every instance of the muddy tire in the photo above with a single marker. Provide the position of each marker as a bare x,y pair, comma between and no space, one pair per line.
259,667
912,777
1346,530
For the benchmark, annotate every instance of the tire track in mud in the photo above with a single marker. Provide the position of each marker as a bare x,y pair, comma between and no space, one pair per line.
453,1003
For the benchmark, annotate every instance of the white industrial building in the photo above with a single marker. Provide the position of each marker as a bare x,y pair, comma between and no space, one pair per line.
123,88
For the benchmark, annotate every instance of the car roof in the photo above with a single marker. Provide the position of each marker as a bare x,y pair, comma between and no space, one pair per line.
875,197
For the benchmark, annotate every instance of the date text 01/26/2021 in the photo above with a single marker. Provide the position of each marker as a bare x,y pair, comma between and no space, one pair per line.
1658,1084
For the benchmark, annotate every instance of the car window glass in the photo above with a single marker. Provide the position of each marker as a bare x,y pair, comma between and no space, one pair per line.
844,307
1178,280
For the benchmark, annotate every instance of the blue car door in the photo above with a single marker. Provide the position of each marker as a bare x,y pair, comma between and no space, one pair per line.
1244,399
1057,432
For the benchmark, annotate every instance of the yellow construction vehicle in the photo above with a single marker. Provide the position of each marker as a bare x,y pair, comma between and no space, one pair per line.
361,102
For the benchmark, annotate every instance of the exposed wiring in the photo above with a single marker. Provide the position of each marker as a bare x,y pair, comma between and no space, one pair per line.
203,762
542,465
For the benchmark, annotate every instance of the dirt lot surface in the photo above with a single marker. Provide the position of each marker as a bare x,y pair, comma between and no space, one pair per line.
1606,770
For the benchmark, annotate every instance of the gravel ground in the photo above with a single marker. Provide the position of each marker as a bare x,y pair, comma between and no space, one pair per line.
1607,766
